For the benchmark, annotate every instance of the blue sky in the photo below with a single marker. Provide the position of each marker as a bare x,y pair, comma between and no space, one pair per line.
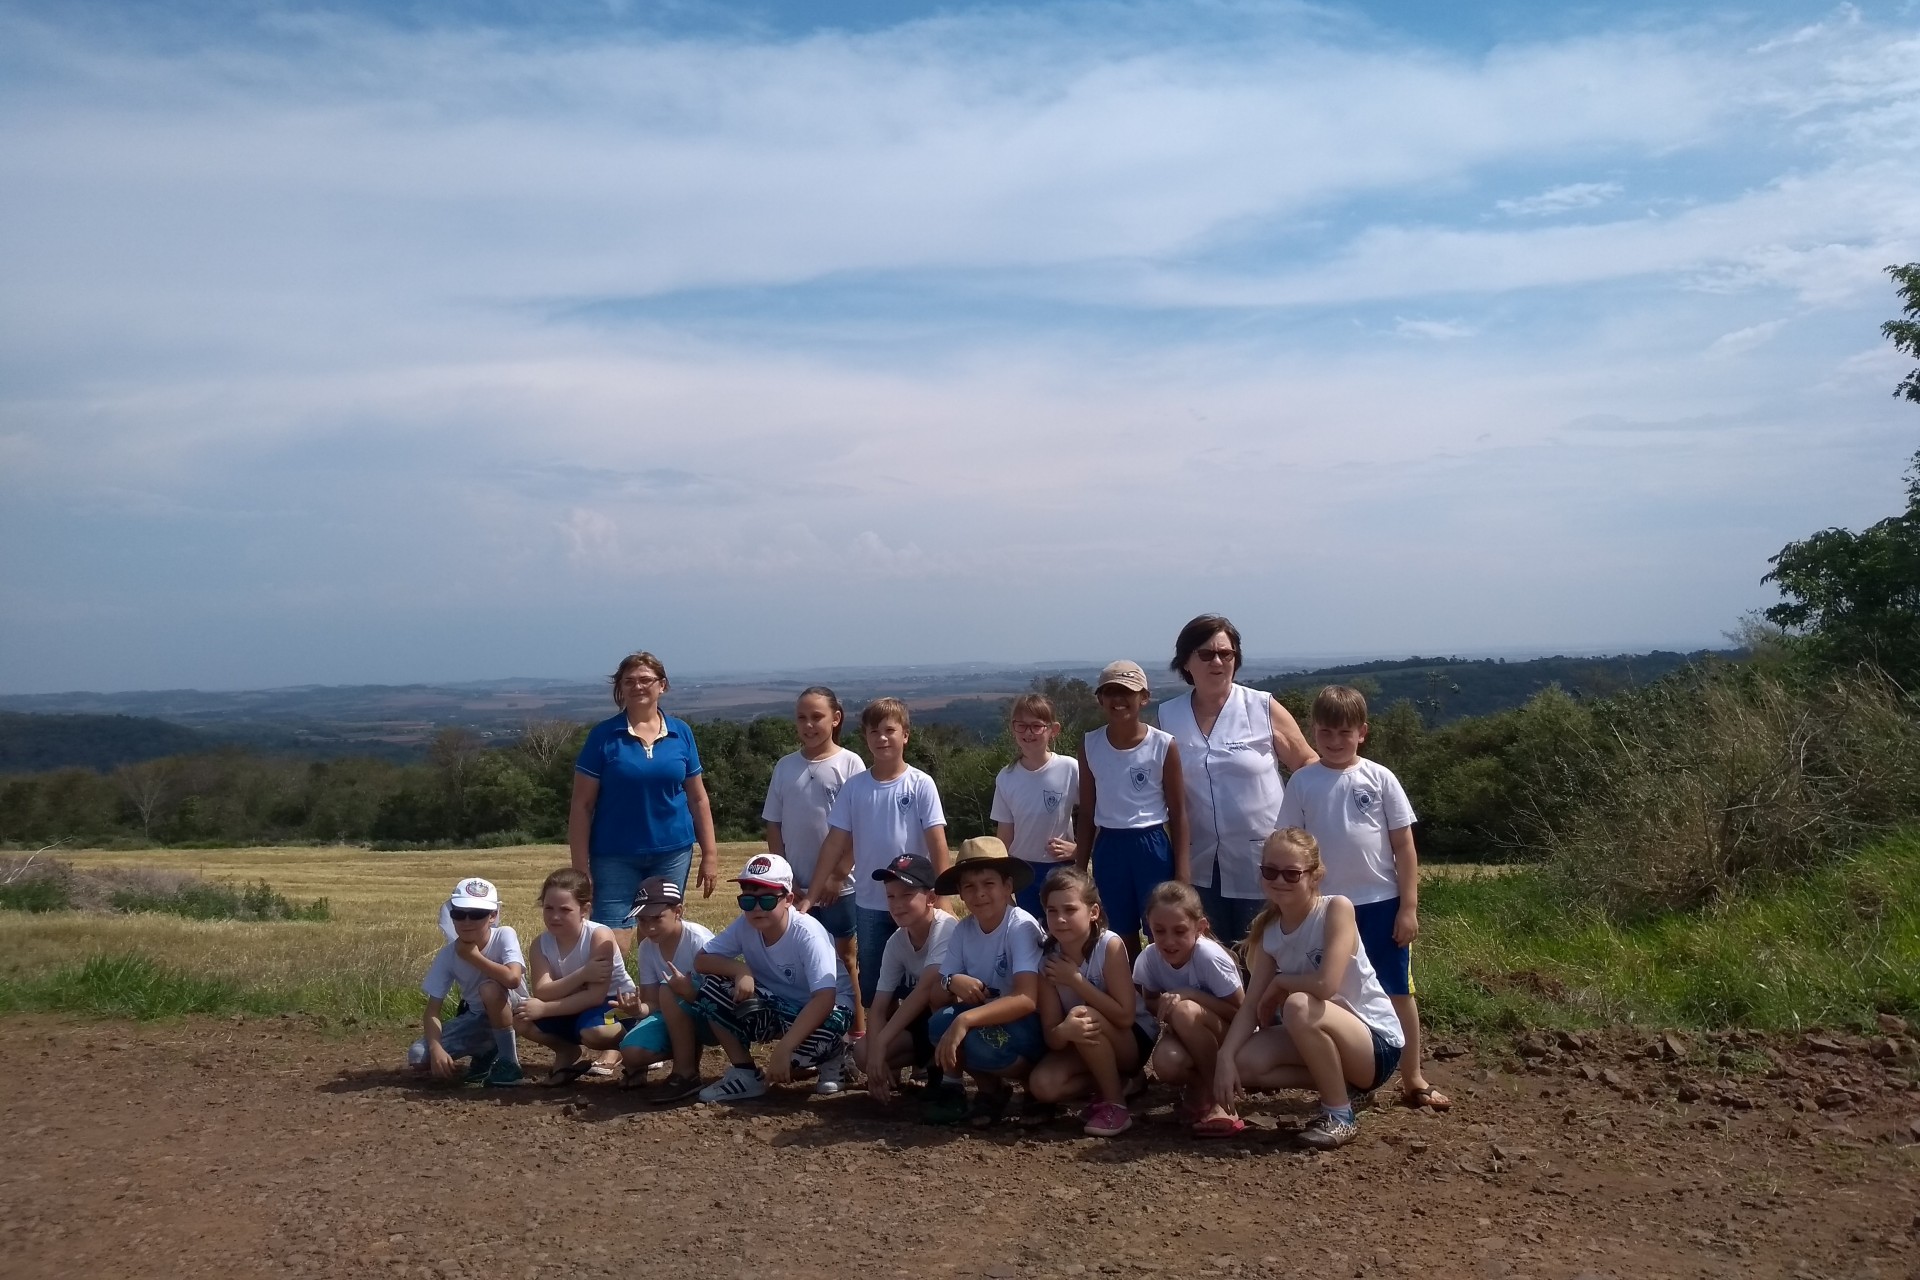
384,343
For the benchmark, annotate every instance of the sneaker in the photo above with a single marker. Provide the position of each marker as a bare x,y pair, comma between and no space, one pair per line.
504,1075
833,1075
477,1069
1107,1120
946,1104
676,1087
1329,1130
736,1085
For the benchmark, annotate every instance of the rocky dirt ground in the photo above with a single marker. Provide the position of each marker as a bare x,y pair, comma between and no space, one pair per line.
275,1147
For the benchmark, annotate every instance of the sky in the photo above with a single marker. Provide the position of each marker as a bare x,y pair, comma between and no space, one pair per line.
375,343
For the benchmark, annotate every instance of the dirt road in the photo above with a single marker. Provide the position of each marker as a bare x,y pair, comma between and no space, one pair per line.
270,1147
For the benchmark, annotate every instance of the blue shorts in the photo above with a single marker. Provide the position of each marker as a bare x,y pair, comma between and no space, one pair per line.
1386,1057
838,918
568,1026
1230,918
992,1050
872,929
1393,964
1028,898
650,1034
617,879
1127,867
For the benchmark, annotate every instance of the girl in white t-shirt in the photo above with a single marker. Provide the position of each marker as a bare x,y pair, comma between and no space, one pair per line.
1034,797
799,796
1315,1015
576,979
1132,824
1189,992
1087,1006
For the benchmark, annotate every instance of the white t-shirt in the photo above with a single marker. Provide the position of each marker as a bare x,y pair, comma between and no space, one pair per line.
1039,803
901,965
1127,791
1094,970
652,965
1360,991
885,819
447,968
994,958
559,966
799,796
1350,812
801,962
1233,787
1210,968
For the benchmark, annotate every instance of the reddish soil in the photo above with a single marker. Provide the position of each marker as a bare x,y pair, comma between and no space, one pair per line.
272,1147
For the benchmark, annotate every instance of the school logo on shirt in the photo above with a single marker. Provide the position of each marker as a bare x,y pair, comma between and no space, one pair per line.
787,973
1051,800
906,800
1000,966
1314,957
1139,777
1365,800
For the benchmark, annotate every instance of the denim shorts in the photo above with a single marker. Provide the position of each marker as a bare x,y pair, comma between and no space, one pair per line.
617,879
837,917
992,1050
1386,1057
465,1035
1393,964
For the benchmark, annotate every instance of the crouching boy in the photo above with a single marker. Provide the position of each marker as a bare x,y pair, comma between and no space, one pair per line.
484,959
670,1028
989,978
772,976
898,1034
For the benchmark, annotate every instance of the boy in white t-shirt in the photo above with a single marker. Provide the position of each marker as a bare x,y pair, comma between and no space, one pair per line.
1359,814
772,975
909,974
990,986
1034,797
891,809
485,960
669,1027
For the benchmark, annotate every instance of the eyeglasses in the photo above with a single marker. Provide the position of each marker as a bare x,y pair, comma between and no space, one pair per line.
762,901
1292,875
1214,655
467,913
640,682
1031,726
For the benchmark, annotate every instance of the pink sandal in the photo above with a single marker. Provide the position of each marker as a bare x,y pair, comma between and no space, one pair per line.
1225,1125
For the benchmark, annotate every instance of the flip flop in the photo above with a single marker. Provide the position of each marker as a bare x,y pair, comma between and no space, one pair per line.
567,1074
1426,1096
1219,1127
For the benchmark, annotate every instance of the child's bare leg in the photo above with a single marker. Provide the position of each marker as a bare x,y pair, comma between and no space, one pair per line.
682,1035
737,1053
1059,1076
1324,1036
1413,1076
493,998
1195,1035
848,949
1089,1039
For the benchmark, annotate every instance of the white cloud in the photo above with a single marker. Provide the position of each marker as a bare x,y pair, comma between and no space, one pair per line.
1561,199
1435,330
1744,340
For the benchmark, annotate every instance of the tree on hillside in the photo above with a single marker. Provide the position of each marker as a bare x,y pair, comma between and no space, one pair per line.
1854,598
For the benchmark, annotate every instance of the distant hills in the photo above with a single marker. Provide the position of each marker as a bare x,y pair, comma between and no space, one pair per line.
104,731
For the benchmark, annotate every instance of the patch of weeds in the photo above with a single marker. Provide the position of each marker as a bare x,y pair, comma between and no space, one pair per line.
209,900
128,985
37,894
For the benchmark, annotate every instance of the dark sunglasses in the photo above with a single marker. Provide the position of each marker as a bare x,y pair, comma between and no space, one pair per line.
1214,655
468,913
1292,875
764,901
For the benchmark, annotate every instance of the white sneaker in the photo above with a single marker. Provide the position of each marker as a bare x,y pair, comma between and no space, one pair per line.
736,1085
833,1074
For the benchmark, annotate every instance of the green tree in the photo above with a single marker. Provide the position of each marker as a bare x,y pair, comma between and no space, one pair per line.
1905,334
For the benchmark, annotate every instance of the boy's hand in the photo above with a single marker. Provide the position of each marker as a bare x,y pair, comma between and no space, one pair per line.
825,896
879,1084
628,1005
678,983
779,1066
438,1062
743,988
1406,924
947,1052
966,989
1061,849
1060,971
468,951
802,903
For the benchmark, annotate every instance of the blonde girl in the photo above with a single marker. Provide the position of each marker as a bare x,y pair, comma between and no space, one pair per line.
1189,993
577,980
799,795
1034,797
1315,1016
1087,1007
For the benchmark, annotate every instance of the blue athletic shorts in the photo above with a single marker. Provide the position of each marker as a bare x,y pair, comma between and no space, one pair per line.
568,1026
1128,866
837,917
1393,964
651,1034
992,1050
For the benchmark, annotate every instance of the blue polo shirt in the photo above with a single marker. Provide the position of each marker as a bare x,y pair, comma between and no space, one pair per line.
642,807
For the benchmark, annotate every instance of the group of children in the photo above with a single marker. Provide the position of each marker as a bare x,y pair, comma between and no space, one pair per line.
1044,984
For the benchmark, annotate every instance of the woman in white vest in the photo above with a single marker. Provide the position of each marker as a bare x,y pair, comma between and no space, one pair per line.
1236,738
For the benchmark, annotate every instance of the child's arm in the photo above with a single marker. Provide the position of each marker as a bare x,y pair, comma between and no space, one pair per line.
1003,1009
818,1008
1116,1003
509,976
1226,1074
1052,1017
727,967
1406,872
1336,954
1289,744
1223,1009
830,872
437,1060
586,987
701,809
1083,815
936,838
1173,787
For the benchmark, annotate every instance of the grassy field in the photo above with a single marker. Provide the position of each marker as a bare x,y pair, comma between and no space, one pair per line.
1499,950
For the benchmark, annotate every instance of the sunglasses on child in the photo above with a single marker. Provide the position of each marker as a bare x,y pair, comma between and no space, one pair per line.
764,901
1292,875
467,913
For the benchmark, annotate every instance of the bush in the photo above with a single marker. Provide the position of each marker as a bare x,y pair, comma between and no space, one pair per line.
206,900
29,885
36,894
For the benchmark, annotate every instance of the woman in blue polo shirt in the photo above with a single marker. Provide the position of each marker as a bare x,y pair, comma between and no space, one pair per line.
639,802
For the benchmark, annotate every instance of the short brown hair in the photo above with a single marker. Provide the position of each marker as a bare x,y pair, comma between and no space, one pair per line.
577,883
881,710
1198,632
1340,706
1034,706
639,658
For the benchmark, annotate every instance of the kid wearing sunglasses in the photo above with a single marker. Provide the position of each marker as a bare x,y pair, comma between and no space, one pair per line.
772,975
1315,1015
484,960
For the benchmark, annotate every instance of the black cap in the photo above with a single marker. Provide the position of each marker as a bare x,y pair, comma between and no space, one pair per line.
915,870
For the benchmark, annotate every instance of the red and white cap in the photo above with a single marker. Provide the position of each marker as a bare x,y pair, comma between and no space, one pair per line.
769,869
475,894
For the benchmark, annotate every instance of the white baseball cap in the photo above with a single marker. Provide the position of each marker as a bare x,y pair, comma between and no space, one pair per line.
475,894
769,869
